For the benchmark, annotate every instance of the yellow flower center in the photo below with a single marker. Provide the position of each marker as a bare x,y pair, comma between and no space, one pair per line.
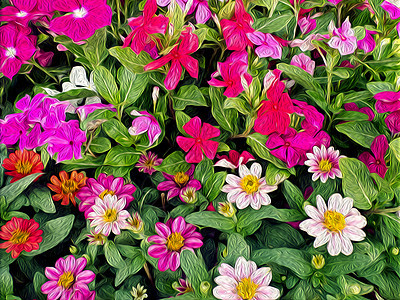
181,178
106,192
110,215
334,221
175,241
69,186
249,184
23,167
66,280
19,237
318,261
246,289
325,165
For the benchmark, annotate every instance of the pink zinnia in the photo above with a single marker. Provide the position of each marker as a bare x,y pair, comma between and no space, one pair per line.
147,162
376,164
199,142
234,160
172,238
104,185
343,38
69,280
83,18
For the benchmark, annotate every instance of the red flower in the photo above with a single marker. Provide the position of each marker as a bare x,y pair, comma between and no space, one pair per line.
20,234
66,188
22,163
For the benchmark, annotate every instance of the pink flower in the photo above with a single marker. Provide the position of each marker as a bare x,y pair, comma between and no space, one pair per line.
304,62
83,18
376,164
183,287
392,7
313,121
335,2
268,46
368,43
389,102
16,48
392,121
12,129
163,3
324,163
307,24
336,224
145,123
172,238
179,56
306,44
104,185
365,110
343,38
147,162
244,281
199,142
178,183
144,26
44,58
69,280
203,12
22,12
398,29
235,30
234,160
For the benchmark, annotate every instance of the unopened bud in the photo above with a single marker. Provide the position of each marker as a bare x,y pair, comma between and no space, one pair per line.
318,261
226,209
205,287
395,251
87,258
73,249
189,195
355,289
135,223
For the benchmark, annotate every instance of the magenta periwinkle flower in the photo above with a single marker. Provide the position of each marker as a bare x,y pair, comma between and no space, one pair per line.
203,12
22,12
389,102
234,159
343,38
392,7
368,43
304,62
145,122
376,163
365,110
172,238
69,280
268,45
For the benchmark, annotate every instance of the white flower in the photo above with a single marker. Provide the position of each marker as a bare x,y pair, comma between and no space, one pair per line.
249,188
139,292
338,224
244,281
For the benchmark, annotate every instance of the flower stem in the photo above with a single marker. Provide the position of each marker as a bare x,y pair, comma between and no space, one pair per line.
33,62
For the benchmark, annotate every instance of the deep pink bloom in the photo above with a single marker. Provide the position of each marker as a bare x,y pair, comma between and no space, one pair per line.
144,26
176,184
398,29
16,48
210,207
268,46
203,12
393,122
235,30
12,128
304,62
147,162
376,164
145,122
343,38
234,160
104,185
387,102
22,12
335,2
69,280
273,116
199,142
163,3
392,8
313,121
172,238
290,147
43,58
307,24
83,18
365,110
368,43
179,56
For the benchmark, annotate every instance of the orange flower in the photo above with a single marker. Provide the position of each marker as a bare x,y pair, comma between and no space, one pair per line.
65,187
22,163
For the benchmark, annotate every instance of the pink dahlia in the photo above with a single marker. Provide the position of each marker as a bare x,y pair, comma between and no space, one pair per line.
248,189
173,237
244,281
324,163
69,280
147,162
234,159
336,224
104,185
82,18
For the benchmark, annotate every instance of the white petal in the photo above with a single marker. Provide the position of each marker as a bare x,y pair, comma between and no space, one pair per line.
243,171
354,233
321,205
334,202
334,245
347,246
314,213
256,170
322,239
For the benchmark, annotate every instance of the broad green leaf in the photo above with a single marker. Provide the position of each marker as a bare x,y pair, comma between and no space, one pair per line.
380,86
96,118
211,219
13,190
106,85
113,256
301,77
362,132
130,60
213,186
195,269
118,131
335,266
181,119
120,156
132,266
75,94
293,195
272,24
95,48
86,162
188,95
6,282
40,198
395,147
3,155
132,86
173,163
236,247
38,280
226,118
100,145
204,170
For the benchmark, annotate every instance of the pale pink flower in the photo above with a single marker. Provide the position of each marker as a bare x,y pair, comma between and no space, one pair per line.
336,224
244,281
248,189
343,38
268,46
324,163
145,123
306,44
304,62
234,159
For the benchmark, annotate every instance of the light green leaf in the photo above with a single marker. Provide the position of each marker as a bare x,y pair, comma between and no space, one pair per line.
226,118
130,60
132,85
117,131
40,198
213,185
362,132
113,256
173,163
188,95
120,156
106,85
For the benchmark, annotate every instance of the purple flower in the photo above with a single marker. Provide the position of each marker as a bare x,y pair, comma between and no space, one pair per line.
147,162
343,38
393,9
12,128
365,110
176,184
376,164
304,62
307,24
368,42
145,123
203,12
268,46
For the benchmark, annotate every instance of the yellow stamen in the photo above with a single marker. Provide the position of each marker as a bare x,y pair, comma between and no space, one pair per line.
106,192
325,165
19,237
66,280
246,289
69,186
181,178
175,241
250,184
110,215
23,167
334,221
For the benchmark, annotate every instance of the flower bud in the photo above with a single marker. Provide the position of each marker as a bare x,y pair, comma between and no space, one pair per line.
205,287
395,251
283,278
73,249
155,95
226,209
135,223
354,289
318,261
189,195
87,258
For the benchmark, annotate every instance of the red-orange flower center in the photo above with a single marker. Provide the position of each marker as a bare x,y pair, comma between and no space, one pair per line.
66,187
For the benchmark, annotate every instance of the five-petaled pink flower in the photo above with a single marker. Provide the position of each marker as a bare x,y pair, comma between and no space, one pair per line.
179,56
22,12
203,12
234,160
392,7
268,45
343,38
376,164
172,238
304,62
199,141
389,102
144,26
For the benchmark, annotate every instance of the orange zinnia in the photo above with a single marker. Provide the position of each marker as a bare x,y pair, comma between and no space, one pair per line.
65,187
22,163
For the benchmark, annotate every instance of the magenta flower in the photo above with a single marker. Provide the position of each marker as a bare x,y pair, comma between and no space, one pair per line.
313,121
183,287
365,110
145,123
392,121
199,142
147,162
304,62
163,3
392,7
82,18
69,280
203,12
398,29
16,48
104,185
144,26
179,56
343,38
307,24
368,43
268,46
234,160
335,2
22,12
235,30
44,58
389,102
178,183
376,164
172,238
12,128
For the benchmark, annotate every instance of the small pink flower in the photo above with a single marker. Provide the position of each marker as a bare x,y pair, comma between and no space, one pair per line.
199,142
183,287
324,163
306,44
392,121
145,123
389,102
343,38
172,238
268,46
336,224
392,7
376,164
234,160
365,110
335,2
147,162
44,58
313,121
203,12
368,43
304,62
307,24
22,12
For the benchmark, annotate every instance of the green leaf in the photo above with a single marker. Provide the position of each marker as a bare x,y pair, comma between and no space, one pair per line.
113,256
117,131
362,132
173,163
106,85
357,183
335,266
195,269
213,186
40,198
380,86
188,95
130,60
211,219
13,190
38,280
100,145
75,94
204,170
120,156
272,24
6,282
96,118
86,162
181,119
395,147
239,104
351,116
95,48
132,266
3,156
226,118
293,195
301,77
132,85
236,247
